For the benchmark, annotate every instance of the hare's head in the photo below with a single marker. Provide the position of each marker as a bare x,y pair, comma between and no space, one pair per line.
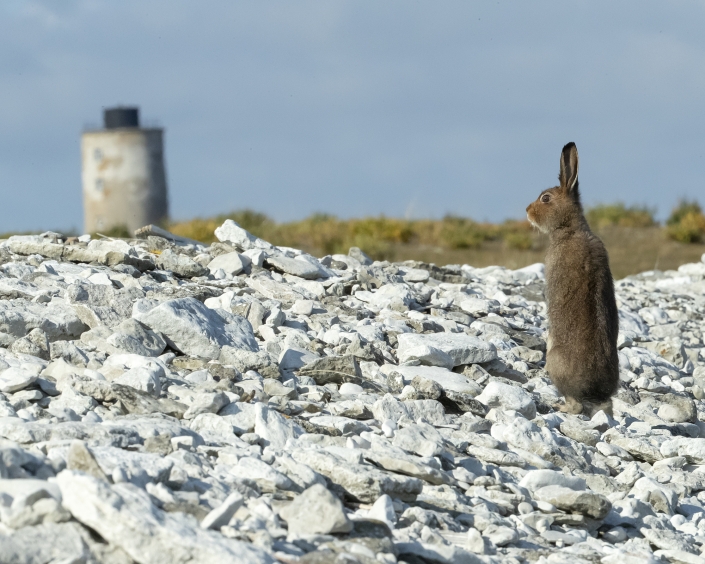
560,207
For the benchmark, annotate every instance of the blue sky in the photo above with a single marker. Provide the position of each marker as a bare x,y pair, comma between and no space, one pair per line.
401,108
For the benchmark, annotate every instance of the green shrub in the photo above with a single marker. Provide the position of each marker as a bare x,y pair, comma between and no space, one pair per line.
381,228
681,210
618,214
462,233
686,224
690,228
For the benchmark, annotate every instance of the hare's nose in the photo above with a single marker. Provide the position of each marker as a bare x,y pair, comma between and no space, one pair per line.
527,208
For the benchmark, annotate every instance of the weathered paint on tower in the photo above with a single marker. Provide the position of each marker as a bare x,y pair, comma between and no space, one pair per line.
123,175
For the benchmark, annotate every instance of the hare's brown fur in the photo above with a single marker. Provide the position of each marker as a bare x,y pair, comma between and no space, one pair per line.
583,320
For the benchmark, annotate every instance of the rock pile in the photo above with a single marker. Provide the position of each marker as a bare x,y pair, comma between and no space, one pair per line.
163,402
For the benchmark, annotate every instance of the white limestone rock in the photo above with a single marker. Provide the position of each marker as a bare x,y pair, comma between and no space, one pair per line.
505,396
293,358
274,429
131,336
383,510
266,476
50,542
14,379
389,295
360,481
231,263
419,439
189,326
221,515
537,479
316,511
584,502
233,233
449,381
180,264
57,319
141,378
303,307
301,268
458,348
125,516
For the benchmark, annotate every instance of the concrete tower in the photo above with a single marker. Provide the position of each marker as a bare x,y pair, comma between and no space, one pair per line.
124,181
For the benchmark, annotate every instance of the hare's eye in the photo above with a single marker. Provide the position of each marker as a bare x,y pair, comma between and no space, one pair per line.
545,198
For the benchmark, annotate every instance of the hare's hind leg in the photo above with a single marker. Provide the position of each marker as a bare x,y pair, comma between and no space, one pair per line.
572,406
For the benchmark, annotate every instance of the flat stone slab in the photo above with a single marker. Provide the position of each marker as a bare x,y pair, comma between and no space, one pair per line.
448,380
125,516
195,329
461,348
300,268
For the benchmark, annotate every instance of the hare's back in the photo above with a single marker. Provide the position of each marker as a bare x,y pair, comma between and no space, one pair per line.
581,306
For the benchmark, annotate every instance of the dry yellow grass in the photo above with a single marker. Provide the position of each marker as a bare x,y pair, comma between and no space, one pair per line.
633,248
378,236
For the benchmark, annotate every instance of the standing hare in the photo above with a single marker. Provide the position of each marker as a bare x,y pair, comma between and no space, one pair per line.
581,356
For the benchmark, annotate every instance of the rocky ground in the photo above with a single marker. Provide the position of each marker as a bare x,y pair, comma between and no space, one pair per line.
166,402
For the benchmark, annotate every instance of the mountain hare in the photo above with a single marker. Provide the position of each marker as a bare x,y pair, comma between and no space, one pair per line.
581,356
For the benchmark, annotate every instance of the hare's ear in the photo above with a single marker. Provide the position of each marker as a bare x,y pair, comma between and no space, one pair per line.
568,176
